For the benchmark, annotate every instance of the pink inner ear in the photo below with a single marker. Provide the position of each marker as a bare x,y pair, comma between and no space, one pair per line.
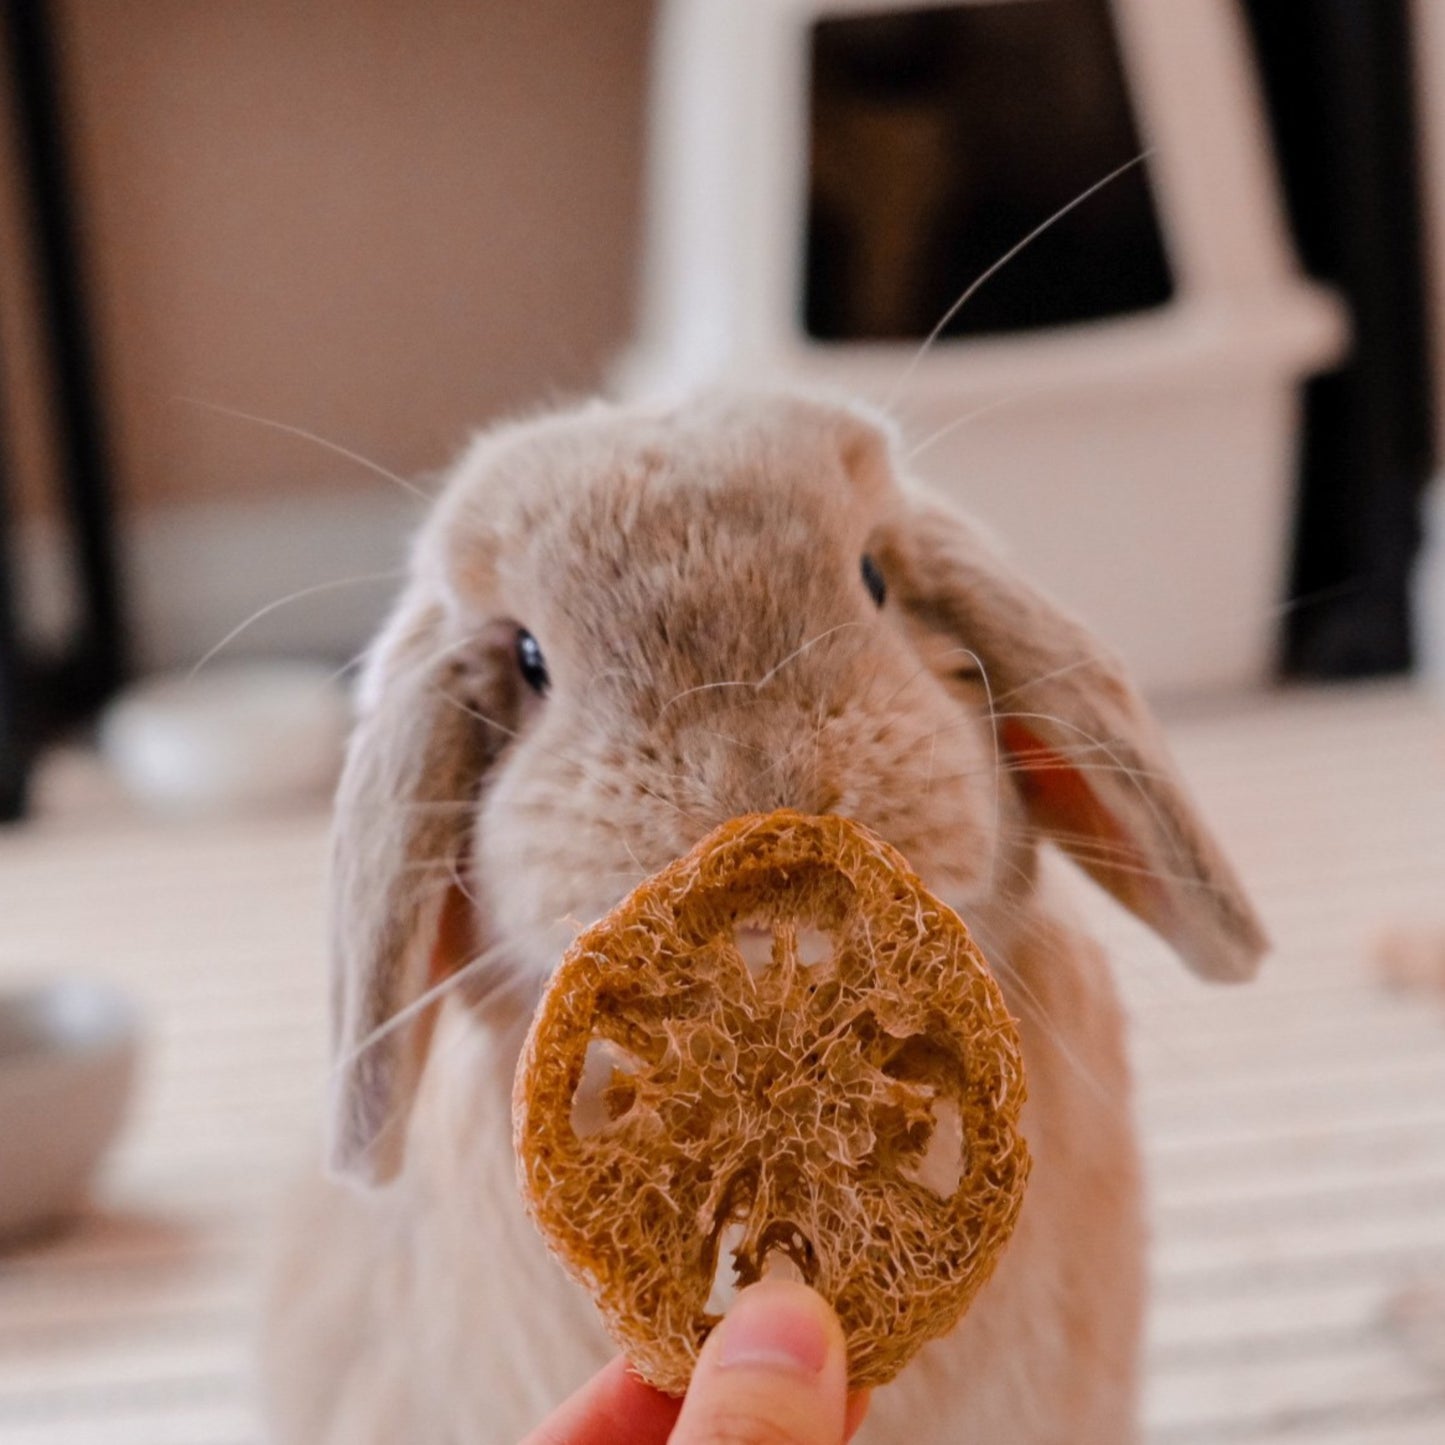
1060,801
455,940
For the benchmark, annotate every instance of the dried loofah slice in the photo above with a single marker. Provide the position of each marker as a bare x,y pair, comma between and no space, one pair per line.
846,1104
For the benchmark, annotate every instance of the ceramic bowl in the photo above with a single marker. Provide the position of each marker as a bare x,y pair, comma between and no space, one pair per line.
233,738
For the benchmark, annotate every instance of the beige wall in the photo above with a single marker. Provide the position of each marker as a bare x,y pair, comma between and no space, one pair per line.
382,222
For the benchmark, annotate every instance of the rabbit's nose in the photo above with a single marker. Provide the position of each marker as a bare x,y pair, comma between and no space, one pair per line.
825,799
804,785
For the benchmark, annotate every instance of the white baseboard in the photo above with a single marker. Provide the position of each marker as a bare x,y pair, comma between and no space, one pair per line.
196,571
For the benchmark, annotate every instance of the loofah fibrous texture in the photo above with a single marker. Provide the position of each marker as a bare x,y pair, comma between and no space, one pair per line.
845,1105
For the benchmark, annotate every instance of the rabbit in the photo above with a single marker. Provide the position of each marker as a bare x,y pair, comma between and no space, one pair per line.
624,625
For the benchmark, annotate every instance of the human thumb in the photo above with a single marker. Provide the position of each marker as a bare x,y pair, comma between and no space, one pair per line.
773,1372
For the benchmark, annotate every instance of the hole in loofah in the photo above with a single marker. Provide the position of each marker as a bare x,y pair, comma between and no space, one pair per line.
787,1253
779,1264
605,1091
944,1160
781,1251
921,1060
727,1273
754,943
815,949
936,1148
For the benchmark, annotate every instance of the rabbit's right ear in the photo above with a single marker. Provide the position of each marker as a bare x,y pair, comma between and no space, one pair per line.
1087,757
399,919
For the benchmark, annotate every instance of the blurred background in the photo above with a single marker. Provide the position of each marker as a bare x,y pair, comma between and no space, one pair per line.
388,229
264,268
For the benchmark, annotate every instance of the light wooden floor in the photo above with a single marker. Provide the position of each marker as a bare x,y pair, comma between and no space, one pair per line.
1295,1131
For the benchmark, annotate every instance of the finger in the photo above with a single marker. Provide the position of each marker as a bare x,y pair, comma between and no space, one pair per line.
613,1408
774,1372
857,1409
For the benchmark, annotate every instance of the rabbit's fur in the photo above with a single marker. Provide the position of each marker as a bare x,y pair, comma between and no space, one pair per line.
692,576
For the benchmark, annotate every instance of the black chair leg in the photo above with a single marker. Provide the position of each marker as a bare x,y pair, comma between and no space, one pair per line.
98,661
1338,76
14,722
42,695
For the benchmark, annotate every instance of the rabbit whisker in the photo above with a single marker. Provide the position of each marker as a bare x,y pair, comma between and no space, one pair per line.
1078,665
335,584
1068,765
514,983
1057,1036
642,871
693,691
434,806
926,668
417,1005
811,737
982,280
992,717
799,651
460,884
289,430
731,741
1086,853
352,664
396,696
1135,775
669,803
1034,1006
757,684
976,414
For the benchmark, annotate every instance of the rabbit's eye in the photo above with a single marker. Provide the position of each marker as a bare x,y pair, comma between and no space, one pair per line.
531,664
873,580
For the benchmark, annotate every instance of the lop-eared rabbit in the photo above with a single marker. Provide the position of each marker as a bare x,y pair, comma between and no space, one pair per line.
622,627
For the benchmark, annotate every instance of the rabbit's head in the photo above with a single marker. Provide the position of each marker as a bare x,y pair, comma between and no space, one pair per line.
624,627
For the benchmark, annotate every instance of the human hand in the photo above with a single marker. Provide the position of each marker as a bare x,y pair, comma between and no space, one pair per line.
775,1371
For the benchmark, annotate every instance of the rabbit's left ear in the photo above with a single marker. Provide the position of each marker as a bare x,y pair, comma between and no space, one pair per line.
400,919
1086,755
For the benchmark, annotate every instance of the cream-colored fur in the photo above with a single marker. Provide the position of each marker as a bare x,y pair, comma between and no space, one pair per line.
692,577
